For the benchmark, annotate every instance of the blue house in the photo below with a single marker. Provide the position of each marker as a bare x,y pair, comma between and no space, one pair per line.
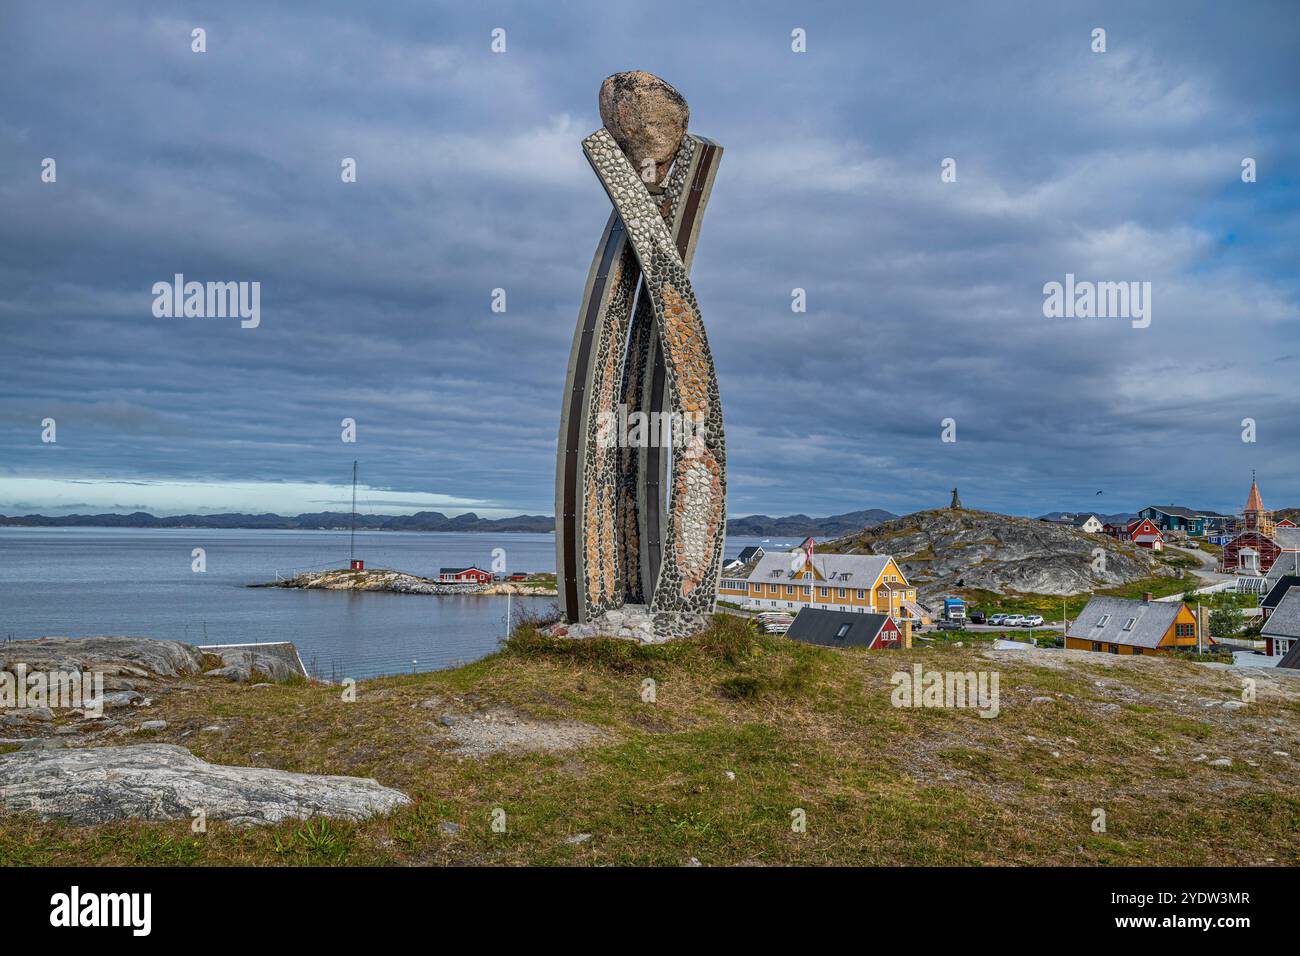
1173,518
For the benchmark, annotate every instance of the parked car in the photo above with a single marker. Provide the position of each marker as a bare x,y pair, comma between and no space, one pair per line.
951,625
998,619
1032,620
1013,620
977,617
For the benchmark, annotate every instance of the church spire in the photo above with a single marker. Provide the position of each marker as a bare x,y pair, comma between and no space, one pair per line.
1254,516
1254,503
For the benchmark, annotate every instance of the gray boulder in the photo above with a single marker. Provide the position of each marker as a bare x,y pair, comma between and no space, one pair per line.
166,782
279,662
646,117
133,656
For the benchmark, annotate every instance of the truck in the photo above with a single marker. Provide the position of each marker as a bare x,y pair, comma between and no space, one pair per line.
954,609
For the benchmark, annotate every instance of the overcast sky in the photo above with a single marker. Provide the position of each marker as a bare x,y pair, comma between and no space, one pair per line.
925,298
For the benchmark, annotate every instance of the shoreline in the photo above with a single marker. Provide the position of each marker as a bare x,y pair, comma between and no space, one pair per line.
400,582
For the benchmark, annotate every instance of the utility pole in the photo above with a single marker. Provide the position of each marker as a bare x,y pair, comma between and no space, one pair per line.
352,534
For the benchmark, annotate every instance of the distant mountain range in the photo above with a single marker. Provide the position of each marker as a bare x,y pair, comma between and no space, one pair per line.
756,525
320,521
1122,517
832,526
759,526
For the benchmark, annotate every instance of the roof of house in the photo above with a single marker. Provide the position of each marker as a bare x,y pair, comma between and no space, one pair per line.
1106,619
1285,619
1283,566
1175,510
1155,531
1278,590
749,554
1288,539
862,569
815,626
460,570
1074,521
1292,657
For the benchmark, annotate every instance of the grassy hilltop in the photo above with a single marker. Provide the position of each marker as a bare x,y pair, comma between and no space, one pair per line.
616,780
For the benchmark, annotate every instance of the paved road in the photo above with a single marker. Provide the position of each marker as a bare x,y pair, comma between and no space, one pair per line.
986,629
1208,571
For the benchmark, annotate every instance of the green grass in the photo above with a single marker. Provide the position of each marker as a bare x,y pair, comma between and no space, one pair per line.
745,730
1050,605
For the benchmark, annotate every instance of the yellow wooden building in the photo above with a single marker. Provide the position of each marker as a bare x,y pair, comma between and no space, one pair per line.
1115,625
859,583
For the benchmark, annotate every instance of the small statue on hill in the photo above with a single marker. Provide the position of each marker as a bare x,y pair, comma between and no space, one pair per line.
956,502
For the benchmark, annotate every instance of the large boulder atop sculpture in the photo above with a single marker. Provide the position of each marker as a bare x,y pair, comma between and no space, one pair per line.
165,782
647,118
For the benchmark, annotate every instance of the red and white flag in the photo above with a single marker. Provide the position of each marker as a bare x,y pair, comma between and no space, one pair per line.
807,547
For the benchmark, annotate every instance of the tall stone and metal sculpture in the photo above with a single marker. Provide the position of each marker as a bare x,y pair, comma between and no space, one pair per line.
641,511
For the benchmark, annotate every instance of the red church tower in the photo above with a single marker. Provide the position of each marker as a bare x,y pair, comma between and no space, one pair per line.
1253,551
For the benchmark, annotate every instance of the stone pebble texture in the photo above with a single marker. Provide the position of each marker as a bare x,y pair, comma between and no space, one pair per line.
693,537
642,351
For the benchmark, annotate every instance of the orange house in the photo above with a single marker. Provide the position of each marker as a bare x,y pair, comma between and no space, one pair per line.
1124,626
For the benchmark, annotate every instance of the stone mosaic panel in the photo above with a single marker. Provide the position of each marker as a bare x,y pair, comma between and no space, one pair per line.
693,537
605,491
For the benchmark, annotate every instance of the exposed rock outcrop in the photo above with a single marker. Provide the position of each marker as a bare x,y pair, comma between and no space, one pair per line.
275,662
949,549
399,582
166,782
131,656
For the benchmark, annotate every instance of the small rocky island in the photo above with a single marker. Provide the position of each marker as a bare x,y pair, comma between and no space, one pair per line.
399,582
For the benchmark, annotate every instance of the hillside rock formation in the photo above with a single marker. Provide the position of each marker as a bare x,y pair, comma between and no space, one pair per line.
167,782
946,550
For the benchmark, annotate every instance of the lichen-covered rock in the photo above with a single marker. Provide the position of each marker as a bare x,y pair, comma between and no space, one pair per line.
647,118
133,656
166,782
944,550
279,662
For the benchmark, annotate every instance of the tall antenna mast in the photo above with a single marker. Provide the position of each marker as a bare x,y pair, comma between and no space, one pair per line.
352,535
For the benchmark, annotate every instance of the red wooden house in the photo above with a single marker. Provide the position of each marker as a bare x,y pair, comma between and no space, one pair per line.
1145,533
470,575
